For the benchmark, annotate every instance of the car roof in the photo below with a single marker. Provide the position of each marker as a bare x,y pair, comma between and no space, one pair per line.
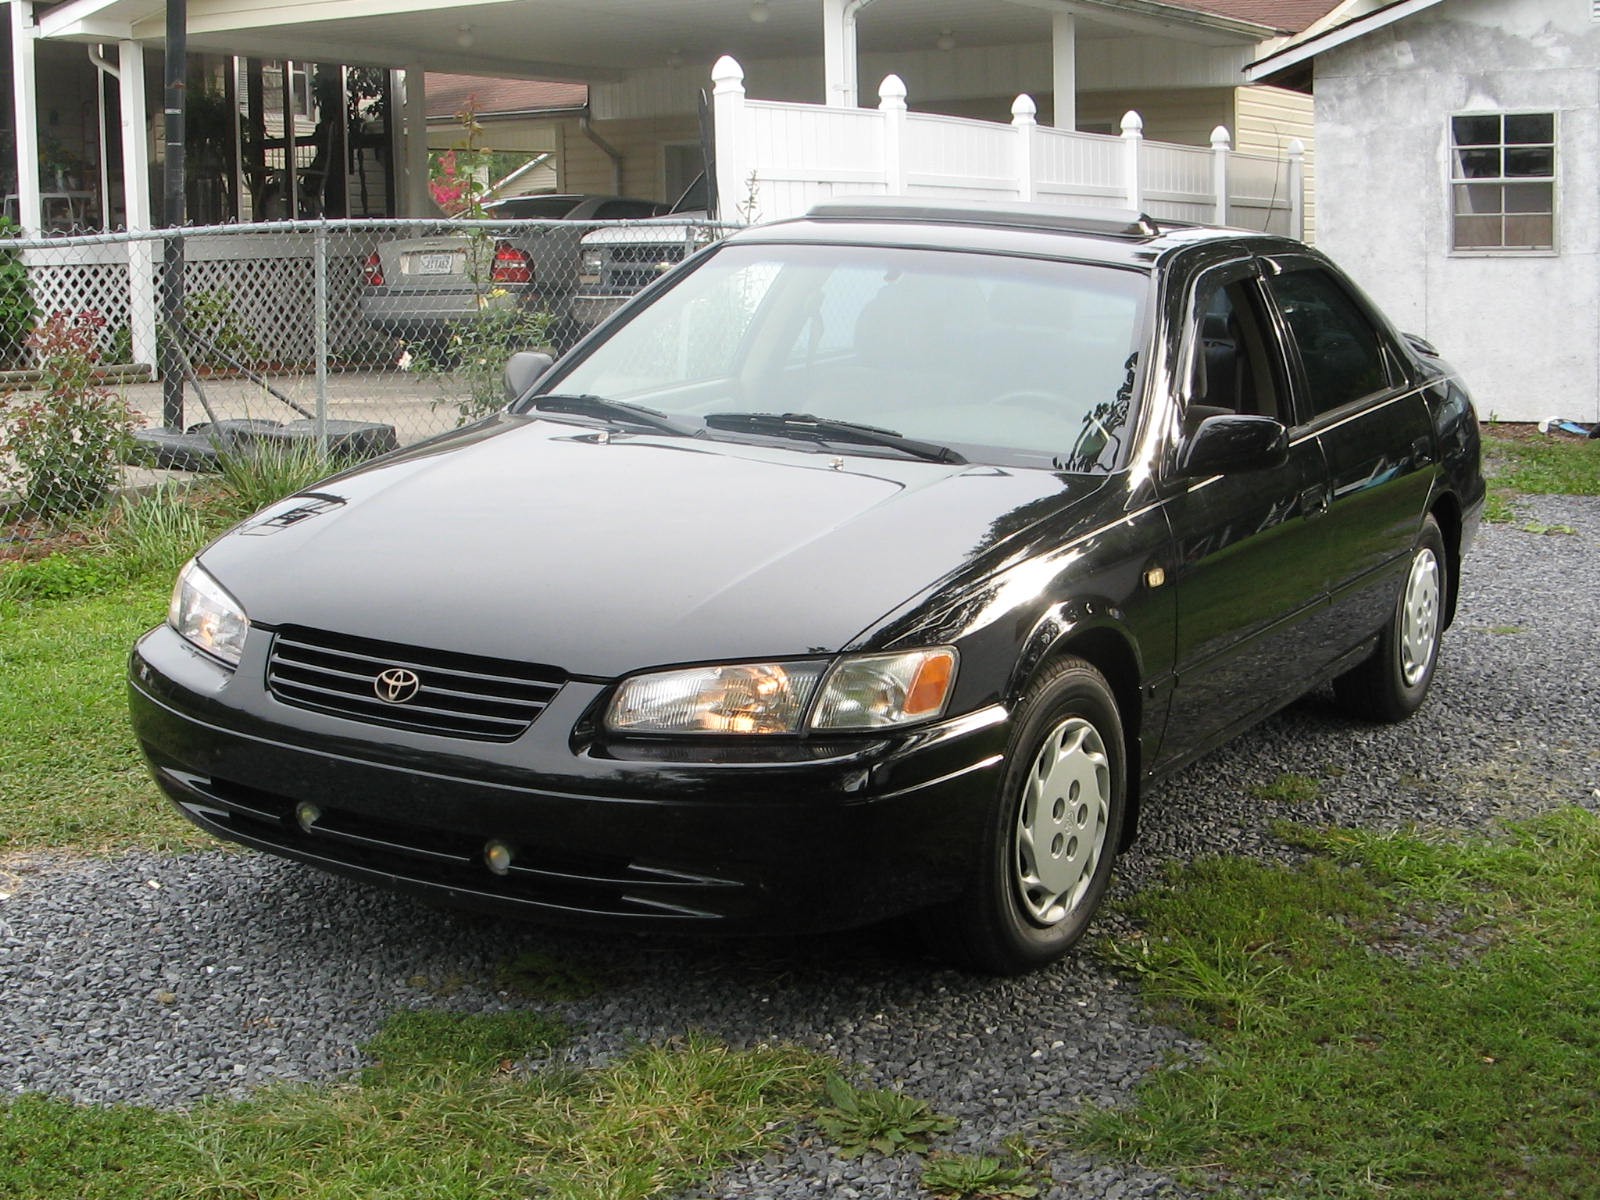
1114,236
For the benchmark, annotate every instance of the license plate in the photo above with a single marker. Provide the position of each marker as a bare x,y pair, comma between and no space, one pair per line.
434,264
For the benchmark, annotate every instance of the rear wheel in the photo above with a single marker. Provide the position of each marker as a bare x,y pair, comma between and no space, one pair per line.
1053,831
1391,685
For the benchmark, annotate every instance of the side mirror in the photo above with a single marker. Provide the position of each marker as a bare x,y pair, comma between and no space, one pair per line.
523,370
1222,445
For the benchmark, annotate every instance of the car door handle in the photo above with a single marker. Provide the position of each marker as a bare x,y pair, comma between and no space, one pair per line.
1422,451
1314,500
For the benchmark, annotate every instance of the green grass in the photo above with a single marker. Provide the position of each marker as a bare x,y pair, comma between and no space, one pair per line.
70,774
1288,788
456,1107
1399,1015
1548,466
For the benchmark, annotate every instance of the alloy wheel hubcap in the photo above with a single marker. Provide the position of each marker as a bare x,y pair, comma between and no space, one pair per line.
1061,822
1419,617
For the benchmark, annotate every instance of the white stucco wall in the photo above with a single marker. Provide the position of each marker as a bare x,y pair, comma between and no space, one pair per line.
1523,328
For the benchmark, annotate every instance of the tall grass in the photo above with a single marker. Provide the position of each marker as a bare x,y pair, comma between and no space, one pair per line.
258,476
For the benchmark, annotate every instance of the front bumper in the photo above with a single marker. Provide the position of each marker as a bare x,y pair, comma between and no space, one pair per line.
800,840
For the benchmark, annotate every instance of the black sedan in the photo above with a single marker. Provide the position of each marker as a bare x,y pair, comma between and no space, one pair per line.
867,564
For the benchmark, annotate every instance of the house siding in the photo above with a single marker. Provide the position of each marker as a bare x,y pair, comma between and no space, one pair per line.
1523,328
1266,120
587,168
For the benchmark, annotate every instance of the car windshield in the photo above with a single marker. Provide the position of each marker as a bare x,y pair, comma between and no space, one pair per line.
1003,359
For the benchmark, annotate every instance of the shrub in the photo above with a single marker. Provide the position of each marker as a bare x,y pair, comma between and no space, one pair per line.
17,309
66,440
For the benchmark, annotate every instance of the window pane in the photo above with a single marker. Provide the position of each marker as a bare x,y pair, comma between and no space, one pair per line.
1477,233
1339,348
1530,127
1481,197
1476,131
1477,164
1529,160
1534,232
1529,197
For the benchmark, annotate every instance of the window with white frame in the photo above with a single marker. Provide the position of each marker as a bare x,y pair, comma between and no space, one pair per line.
1503,181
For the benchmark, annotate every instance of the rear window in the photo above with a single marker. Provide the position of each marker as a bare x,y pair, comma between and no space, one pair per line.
533,208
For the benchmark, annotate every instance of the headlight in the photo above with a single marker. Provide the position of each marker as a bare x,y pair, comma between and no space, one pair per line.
589,264
206,615
859,692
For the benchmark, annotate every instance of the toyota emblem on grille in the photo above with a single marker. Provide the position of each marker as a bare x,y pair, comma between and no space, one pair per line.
397,686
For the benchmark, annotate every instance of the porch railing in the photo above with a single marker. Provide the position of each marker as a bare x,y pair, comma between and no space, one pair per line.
776,159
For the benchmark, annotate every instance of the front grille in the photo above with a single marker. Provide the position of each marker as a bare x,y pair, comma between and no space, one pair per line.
460,695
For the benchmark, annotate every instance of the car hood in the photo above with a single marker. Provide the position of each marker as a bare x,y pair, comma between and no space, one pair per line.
603,553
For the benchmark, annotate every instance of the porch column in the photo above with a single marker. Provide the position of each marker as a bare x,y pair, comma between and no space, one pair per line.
25,105
1064,49
135,123
418,201
838,55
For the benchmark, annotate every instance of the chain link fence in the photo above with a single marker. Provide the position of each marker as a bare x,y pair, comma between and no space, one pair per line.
350,337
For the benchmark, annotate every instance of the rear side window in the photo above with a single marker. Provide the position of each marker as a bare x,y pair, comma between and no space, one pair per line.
1341,350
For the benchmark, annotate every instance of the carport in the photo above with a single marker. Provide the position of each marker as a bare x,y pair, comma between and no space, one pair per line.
646,61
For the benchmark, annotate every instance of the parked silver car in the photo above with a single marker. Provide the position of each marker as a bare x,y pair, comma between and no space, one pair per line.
417,288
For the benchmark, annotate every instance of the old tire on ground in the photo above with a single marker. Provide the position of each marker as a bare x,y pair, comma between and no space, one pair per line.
1391,684
1053,830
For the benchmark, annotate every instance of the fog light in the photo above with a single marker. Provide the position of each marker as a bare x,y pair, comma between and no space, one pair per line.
497,857
307,815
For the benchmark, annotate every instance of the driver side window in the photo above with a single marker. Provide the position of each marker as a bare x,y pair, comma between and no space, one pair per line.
1234,365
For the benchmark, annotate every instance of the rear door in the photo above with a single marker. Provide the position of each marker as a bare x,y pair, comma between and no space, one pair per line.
1357,401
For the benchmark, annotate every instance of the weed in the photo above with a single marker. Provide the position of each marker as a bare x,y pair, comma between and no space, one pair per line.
977,1177
1543,530
886,1121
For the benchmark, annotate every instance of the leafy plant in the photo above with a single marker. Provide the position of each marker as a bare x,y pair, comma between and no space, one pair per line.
68,440
977,1177
886,1121
17,309
221,338
474,356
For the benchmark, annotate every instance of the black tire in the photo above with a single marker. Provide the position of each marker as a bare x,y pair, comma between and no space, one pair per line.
1042,872
1392,684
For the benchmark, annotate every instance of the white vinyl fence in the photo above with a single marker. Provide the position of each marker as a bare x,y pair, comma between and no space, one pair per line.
775,160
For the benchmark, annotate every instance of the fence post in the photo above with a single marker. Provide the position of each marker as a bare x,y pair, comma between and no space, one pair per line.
1024,119
1221,145
727,100
892,104
319,260
1297,188
1132,135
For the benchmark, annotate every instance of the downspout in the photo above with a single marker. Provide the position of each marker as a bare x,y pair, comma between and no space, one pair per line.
105,67
606,148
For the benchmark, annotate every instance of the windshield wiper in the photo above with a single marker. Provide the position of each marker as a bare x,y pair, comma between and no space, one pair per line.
825,429
617,410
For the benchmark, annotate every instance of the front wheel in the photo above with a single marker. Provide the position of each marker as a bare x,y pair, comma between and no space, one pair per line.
1391,685
1054,829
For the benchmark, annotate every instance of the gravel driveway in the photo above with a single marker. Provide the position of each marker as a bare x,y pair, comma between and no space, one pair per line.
159,980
